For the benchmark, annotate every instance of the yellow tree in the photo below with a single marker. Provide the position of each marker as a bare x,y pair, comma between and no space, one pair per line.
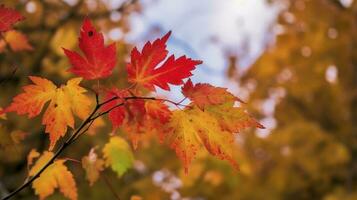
305,86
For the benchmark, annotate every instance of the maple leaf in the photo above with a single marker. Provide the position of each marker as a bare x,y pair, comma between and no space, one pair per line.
117,115
140,119
183,138
65,101
144,70
17,41
55,176
203,94
233,119
193,128
98,61
8,17
93,166
158,110
118,155
31,156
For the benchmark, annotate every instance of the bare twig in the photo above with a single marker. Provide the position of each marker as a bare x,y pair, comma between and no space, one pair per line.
110,186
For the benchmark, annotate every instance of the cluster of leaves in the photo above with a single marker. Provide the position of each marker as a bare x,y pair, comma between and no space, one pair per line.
209,122
16,40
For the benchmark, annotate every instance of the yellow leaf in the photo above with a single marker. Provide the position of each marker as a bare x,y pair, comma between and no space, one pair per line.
184,139
93,166
65,101
233,119
65,36
17,41
55,176
195,128
213,128
31,156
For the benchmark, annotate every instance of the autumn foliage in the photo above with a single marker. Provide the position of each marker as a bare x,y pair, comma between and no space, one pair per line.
208,122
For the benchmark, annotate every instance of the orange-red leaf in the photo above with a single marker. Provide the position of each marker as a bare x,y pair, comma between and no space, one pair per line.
34,97
203,94
141,119
55,176
65,101
8,17
17,41
98,61
158,110
144,67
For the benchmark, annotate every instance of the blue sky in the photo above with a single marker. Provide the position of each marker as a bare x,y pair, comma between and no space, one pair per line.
208,30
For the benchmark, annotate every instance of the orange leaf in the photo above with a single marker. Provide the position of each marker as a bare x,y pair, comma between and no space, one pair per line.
193,128
203,94
93,166
55,176
158,110
32,155
64,102
17,41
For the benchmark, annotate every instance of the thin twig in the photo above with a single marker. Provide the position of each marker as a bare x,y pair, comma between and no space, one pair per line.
6,79
59,151
134,98
88,121
90,124
110,186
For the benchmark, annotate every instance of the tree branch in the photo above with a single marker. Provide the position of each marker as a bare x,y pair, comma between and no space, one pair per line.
81,130
59,151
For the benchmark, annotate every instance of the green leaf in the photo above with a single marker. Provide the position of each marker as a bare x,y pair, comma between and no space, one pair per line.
118,155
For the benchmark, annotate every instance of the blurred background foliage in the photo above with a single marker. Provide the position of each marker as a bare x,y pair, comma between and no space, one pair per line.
303,88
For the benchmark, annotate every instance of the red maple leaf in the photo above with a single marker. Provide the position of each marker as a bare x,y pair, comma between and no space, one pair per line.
8,17
98,61
144,70
116,115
